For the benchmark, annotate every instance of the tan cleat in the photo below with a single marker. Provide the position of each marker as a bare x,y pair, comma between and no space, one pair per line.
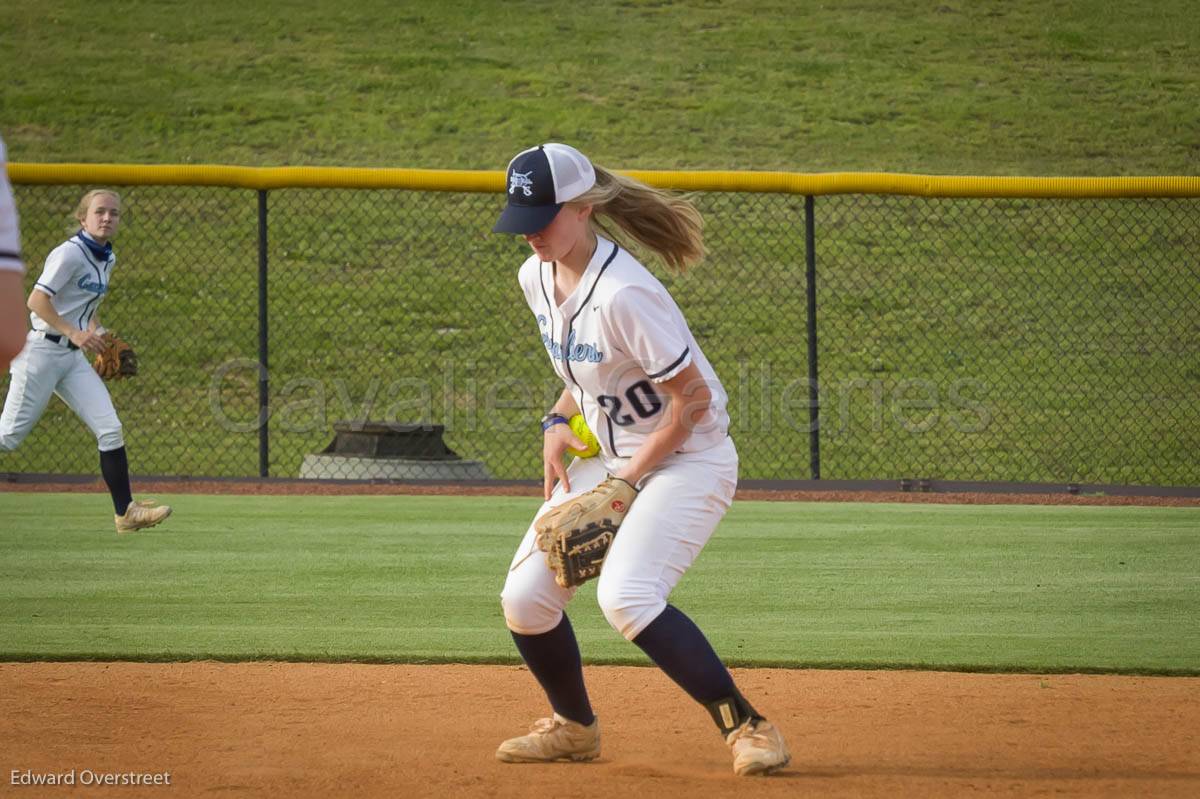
553,739
758,748
141,514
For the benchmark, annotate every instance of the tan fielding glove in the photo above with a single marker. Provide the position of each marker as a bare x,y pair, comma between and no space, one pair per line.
576,535
117,360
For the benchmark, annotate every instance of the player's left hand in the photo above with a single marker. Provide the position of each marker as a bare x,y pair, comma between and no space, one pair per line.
116,360
576,535
88,341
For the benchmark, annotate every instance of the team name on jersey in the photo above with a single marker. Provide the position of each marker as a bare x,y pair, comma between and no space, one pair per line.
94,286
573,351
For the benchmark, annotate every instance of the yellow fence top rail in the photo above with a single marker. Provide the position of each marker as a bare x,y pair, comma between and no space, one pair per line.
263,178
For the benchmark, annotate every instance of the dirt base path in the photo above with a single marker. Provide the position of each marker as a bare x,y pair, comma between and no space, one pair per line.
293,730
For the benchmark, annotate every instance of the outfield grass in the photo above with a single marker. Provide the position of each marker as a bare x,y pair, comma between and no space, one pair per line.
416,579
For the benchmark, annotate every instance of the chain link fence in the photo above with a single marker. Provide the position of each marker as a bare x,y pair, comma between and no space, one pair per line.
1048,340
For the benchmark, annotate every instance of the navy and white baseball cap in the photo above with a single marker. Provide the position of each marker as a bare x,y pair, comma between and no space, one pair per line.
540,180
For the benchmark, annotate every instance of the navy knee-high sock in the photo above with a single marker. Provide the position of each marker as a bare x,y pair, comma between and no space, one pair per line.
676,645
114,465
553,658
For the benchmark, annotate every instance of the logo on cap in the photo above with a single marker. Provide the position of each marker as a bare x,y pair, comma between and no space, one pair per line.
540,180
520,180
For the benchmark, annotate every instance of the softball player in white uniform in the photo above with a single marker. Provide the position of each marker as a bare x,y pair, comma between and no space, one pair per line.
64,307
12,329
630,364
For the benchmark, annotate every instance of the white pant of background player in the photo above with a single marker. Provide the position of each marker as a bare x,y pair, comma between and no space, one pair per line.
675,513
45,368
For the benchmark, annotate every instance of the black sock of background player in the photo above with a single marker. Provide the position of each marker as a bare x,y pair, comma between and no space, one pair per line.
676,645
115,468
553,658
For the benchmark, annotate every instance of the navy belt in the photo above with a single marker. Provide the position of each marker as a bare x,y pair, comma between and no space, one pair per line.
71,345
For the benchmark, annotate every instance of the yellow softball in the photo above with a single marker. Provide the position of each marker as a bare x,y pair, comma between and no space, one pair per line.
580,429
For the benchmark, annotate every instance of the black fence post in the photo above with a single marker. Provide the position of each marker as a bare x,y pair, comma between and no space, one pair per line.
814,394
263,380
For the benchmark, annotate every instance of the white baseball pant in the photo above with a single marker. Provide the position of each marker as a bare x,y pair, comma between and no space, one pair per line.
675,513
44,368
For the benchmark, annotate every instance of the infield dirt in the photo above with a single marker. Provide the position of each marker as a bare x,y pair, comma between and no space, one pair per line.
290,729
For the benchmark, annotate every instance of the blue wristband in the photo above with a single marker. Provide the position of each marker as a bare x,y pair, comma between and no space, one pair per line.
551,419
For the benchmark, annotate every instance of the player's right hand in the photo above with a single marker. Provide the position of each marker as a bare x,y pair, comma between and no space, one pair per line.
88,341
557,439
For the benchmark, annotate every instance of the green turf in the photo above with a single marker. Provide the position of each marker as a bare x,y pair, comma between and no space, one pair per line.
417,579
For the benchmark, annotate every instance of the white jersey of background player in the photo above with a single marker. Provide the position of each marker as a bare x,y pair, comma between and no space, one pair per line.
64,305
630,364
12,270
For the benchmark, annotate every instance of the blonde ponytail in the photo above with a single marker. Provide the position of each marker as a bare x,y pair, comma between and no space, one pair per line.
666,224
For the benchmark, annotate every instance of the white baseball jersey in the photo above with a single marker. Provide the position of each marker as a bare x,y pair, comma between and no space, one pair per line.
10,242
612,340
76,278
